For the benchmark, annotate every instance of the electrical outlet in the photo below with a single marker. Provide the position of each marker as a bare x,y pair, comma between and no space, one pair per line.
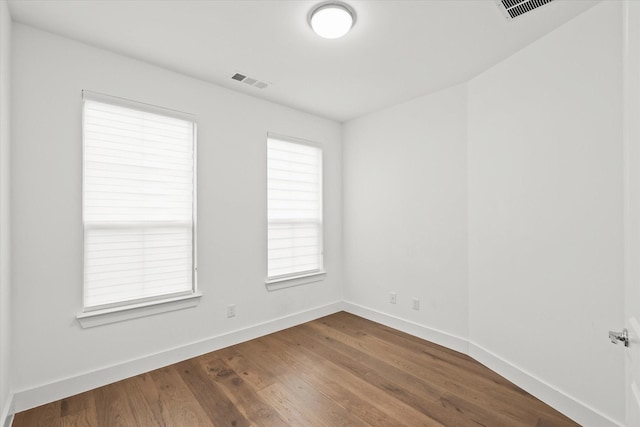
392,297
416,304
231,310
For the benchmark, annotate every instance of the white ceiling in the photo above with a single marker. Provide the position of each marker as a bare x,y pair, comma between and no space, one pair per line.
397,50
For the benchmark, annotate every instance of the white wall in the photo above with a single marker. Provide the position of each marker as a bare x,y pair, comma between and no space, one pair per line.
516,177
405,210
49,73
530,154
546,209
5,237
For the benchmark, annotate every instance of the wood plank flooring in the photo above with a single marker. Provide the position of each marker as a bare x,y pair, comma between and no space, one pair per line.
339,370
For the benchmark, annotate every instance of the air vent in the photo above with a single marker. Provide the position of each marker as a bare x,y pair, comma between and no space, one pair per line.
515,8
249,81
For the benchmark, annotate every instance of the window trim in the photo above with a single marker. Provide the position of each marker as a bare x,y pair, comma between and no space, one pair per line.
301,277
120,313
291,281
123,310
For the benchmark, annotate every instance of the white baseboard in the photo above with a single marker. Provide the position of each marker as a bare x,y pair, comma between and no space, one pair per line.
27,399
436,336
564,403
571,407
555,398
8,412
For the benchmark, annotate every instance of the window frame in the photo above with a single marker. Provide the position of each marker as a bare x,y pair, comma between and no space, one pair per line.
302,277
132,308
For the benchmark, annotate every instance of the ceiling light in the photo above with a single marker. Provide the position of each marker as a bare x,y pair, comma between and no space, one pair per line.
332,20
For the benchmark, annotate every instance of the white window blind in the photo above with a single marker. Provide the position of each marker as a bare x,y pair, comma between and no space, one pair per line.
138,204
294,195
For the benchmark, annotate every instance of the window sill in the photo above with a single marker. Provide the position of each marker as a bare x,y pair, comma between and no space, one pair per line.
289,282
119,314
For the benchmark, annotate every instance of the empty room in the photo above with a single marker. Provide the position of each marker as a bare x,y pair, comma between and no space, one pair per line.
320,213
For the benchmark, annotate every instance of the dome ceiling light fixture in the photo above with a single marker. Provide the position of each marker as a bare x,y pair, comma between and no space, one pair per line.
332,19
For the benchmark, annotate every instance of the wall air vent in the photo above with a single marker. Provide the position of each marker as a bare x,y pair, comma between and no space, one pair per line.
515,8
249,81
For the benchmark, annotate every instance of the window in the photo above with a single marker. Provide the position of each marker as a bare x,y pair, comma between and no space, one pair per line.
138,203
294,211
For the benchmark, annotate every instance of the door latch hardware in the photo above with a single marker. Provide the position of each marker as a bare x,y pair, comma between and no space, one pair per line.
620,336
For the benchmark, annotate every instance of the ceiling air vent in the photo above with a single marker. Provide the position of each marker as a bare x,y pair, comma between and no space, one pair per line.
249,81
515,8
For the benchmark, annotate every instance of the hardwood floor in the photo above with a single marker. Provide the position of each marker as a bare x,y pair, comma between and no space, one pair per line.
340,370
